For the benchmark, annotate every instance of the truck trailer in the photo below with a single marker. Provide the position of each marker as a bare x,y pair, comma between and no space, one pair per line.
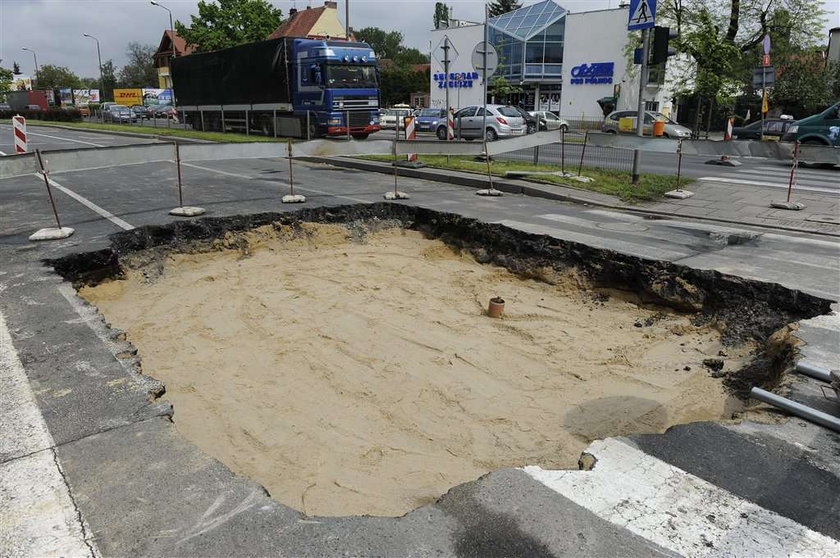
287,86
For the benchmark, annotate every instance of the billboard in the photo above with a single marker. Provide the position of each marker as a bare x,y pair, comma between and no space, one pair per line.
65,96
84,97
21,82
157,97
128,97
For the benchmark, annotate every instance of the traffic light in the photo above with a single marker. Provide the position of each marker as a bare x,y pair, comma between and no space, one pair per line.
660,50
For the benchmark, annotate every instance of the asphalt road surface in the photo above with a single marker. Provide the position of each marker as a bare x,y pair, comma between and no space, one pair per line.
49,137
90,466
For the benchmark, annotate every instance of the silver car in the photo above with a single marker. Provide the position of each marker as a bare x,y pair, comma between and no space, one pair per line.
550,121
672,129
502,122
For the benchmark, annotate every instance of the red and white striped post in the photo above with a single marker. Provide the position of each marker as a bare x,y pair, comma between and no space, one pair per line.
727,136
19,126
450,124
410,135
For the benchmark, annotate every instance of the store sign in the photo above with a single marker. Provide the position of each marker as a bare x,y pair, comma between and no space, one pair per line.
463,79
596,72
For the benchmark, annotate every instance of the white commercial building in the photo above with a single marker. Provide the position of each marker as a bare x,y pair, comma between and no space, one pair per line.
576,65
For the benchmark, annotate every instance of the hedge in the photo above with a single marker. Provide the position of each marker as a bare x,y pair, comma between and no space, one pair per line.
56,115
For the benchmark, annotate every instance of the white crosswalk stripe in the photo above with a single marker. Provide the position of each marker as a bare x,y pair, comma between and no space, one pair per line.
677,510
826,181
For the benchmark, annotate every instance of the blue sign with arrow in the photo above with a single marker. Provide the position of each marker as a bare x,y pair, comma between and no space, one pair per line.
642,14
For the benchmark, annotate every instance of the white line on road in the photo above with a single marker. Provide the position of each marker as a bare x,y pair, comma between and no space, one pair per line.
39,518
765,183
61,139
89,204
3,154
677,510
801,176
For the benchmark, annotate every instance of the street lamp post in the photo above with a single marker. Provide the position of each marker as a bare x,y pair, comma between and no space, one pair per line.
99,57
171,27
36,62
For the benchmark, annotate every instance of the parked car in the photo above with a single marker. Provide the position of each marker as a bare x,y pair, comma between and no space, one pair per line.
550,121
118,113
5,106
820,129
141,112
531,121
774,129
429,118
390,118
164,111
672,129
502,122
84,110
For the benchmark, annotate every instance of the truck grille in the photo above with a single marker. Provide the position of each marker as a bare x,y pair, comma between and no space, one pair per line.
359,118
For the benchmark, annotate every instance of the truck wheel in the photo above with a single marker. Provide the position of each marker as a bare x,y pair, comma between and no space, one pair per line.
441,133
313,130
360,136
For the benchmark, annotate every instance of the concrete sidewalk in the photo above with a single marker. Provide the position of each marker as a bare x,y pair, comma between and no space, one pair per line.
738,204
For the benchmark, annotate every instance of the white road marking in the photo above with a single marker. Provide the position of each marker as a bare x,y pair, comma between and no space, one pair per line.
89,204
801,176
677,510
765,183
246,177
28,133
39,518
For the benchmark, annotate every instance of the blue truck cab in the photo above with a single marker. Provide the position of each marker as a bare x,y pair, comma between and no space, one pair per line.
337,82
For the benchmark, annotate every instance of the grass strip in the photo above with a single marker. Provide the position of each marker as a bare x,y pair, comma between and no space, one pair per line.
616,183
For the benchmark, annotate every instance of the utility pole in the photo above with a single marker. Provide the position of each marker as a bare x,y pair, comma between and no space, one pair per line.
36,63
640,116
446,48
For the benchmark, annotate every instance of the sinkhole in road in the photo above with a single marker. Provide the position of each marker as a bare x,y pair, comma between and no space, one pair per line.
342,357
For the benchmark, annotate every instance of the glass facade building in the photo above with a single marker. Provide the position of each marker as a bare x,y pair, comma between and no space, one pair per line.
530,43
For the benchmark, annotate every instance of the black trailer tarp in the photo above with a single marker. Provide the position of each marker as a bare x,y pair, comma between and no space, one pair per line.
247,74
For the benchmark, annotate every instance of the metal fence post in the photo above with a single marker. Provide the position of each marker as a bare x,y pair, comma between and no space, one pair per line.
563,150
583,151
308,132
348,125
274,121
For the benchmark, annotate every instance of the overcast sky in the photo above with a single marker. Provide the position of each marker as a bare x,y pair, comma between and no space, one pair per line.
53,28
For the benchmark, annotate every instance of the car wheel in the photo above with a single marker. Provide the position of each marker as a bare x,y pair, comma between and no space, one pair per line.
441,133
491,134
564,128
532,128
611,131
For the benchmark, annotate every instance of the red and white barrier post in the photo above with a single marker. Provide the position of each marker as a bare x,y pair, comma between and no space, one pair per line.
19,127
727,136
410,135
450,124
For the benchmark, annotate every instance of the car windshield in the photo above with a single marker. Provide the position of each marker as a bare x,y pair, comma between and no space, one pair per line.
430,112
348,76
660,116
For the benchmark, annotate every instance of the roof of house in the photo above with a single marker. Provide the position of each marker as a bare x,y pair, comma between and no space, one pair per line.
169,38
299,24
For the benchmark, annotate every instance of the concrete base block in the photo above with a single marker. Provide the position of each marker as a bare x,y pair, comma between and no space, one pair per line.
297,198
724,161
793,206
396,196
411,164
187,211
52,233
489,192
585,179
678,194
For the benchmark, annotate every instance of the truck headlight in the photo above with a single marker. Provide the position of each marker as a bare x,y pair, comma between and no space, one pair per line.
334,121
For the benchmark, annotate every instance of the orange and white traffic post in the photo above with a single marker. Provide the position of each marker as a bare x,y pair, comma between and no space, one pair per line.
450,124
727,136
19,127
410,135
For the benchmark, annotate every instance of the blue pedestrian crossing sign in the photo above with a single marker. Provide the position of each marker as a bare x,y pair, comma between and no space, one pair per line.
642,14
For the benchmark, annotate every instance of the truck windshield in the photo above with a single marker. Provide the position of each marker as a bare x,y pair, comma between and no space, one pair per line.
349,76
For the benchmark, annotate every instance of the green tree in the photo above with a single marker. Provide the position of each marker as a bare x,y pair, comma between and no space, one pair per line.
806,84
410,56
398,83
227,23
140,70
15,68
109,81
49,76
443,14
502,7
6,77
386,44
89,82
